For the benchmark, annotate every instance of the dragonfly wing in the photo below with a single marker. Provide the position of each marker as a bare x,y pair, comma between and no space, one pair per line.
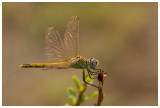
71,36
55,49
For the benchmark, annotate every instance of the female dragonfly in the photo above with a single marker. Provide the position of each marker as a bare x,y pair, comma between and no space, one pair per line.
66,53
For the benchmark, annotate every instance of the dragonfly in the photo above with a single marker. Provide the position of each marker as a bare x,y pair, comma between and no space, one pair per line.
65,53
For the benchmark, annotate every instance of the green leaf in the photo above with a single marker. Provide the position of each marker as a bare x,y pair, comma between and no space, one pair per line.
81,89
88,79
71,93
92,95
77,82
73,101
103,94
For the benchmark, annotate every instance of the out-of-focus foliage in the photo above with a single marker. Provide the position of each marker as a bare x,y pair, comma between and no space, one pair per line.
73,95
92,95
77,82
122,36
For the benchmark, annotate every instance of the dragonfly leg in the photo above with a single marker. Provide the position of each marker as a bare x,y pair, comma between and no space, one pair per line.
87,82
93,73
90,75
97,69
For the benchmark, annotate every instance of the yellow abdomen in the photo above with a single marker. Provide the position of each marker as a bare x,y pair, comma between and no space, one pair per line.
59,65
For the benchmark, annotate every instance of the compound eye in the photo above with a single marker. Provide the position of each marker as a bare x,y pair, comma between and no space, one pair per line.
97,62
93,63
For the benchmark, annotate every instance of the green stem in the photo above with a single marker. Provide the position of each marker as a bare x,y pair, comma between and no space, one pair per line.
80,95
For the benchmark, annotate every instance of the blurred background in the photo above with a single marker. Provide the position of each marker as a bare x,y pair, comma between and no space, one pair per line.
122,36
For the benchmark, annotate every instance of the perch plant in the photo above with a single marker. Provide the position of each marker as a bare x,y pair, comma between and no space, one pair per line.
78,97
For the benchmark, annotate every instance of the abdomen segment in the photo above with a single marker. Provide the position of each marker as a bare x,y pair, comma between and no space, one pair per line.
58,65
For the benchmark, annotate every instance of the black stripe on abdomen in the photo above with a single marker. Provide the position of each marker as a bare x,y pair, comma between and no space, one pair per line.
30,66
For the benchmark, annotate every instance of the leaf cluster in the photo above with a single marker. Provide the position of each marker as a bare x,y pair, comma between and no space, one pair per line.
79,96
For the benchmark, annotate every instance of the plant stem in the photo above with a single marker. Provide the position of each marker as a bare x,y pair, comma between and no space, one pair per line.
81,94
100,96
101,78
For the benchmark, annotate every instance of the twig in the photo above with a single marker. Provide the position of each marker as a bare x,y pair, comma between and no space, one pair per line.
100,96
81,94
101,77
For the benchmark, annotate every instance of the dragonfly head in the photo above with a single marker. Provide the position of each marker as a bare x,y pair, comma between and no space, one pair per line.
93,63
